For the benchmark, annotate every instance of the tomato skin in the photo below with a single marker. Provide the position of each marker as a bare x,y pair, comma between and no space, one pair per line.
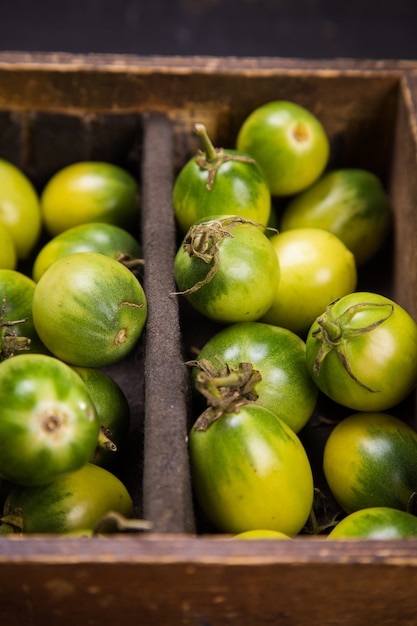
8,255
382,361
370,459
315,269
376,523
18,290
262,534
286,387
250,471
112,410
289,143
89,310
244,285
19,208
92,237
219,181
90,191
71,503
350,203
49,424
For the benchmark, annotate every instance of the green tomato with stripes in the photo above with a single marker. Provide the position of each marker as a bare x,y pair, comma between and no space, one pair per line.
89,310
220,181
48,425
378,522
250,471
369,460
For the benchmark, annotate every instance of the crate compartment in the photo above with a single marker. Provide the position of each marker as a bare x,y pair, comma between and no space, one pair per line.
140,112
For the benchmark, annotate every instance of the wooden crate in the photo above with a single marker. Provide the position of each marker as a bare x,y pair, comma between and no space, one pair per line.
138,112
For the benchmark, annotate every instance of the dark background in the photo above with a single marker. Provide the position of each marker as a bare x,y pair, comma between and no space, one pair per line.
286,28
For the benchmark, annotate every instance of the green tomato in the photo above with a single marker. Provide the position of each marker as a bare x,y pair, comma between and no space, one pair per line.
93,237
362,352
219,181
261,534
19,209
289,143
285,386
316,268
379,522
75,502
89,310
8,255
370,459
250,471
48,425
113,413
350,203
16,296
90,191
227,269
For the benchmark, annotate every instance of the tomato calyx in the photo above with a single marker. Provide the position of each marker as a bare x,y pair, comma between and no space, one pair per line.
211,158
10,341
203,242
13,518
226,389
334,332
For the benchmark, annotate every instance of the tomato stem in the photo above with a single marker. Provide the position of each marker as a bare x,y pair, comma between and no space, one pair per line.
212,158
335,332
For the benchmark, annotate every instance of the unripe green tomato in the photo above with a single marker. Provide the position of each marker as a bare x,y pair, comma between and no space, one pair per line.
16,296
48,425
8,256
370,459
227,269
108,239
289,143
113,414
220,182
250,471
261,534
315,268
89,310
379,522
75,502
90,191
350,203
19,208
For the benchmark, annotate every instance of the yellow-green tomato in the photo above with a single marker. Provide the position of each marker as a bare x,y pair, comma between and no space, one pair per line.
379,522
89,310
90,191
74,502
250,471
370,459
104,238
289,143
112,411
261,534
19,208
16,297
350,203
8,255
315,269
